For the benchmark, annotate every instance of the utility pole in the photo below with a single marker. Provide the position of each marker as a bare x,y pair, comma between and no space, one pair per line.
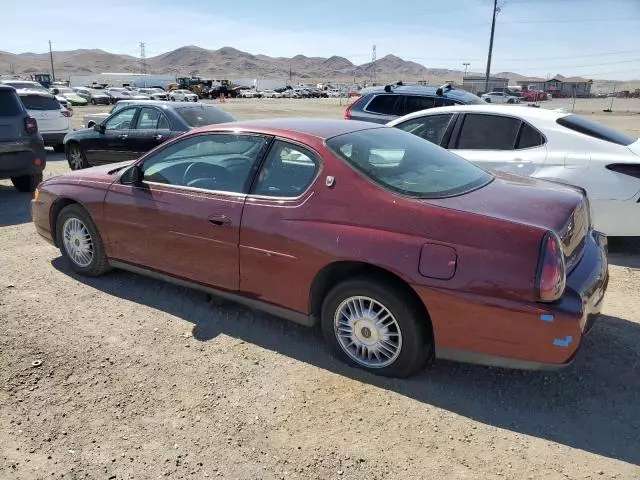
493,29
373,65
290,75
466,66
143,58
53,73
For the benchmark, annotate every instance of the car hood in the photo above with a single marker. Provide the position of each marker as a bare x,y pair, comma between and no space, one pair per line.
524,200
100,174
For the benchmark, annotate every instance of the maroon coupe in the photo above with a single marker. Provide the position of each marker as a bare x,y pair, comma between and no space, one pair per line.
403,251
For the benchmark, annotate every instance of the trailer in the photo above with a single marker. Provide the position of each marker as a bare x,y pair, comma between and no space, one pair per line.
140,80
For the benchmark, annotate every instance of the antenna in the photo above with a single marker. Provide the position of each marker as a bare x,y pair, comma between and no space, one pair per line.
373,65
143,58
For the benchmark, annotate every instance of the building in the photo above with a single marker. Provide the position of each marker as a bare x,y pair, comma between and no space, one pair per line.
559,86
476,84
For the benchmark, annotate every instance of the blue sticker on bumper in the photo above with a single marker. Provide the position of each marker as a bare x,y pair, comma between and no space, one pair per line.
546,317
563,342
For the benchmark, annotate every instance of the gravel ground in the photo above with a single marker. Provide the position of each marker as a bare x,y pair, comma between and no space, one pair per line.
140,379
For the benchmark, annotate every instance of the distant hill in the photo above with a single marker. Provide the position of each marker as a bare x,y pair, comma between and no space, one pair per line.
228,62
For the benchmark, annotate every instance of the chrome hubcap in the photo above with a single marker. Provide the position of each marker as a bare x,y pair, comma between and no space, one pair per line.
75,158
367,332
77,242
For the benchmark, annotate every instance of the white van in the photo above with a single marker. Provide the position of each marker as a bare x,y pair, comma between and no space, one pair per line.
53,121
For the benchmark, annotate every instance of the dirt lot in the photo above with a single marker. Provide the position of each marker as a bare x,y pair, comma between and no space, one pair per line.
140,379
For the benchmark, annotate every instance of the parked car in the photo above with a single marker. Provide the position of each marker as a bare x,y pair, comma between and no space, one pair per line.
545,144
248,93
52,118
491,268
154,93
93,96
30,85
291,93
22,155
270,94
534,96
500,97
70,95
135,128
383,104
183,95
118,94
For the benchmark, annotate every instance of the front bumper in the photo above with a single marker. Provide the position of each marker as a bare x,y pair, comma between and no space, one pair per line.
516,334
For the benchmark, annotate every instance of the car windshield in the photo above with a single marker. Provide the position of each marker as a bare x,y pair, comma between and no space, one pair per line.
39,102
406,164
201,115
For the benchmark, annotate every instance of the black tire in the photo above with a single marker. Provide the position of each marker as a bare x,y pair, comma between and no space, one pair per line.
59,148
27,183
99,263
488,100
510,100
71,150
173,99
417,343
93,101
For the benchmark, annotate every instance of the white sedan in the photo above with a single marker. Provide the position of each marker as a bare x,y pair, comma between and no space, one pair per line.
270,94
500,97
183,96
546,144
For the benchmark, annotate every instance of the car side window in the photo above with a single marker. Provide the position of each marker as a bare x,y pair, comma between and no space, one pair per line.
163,123
220,162
488,132
415,103
383,104
287,171
431,127
148,119
529,137
122,120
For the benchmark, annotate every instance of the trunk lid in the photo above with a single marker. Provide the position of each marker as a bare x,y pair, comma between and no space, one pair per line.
544,204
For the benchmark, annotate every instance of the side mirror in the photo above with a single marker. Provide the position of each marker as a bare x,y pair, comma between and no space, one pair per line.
98,127
132,176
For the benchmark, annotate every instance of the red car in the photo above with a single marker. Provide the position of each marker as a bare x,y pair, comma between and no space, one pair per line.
401,250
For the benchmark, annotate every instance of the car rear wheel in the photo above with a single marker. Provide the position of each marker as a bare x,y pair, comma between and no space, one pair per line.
80,242
27,183
93,101
374,325
76,157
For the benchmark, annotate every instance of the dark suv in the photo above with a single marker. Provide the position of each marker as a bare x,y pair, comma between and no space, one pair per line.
22,157
383,104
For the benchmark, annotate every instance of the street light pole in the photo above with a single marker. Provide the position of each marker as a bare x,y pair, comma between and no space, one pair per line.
493,29
465,65
53,73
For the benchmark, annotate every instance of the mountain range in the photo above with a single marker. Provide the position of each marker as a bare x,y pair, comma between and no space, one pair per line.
227,62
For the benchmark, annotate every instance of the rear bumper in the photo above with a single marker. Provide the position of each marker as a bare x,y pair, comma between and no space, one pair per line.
17,164
54,138
527,335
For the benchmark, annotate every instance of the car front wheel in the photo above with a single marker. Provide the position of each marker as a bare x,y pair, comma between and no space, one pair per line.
376,326
80,242
76,157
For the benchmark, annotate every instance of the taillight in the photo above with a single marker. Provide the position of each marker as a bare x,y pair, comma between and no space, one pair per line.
66,113
347,112
631,169
30,125
551,277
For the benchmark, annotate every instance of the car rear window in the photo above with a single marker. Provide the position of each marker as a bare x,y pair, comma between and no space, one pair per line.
383,104
9,104
595,130
201,115
39,102
406,164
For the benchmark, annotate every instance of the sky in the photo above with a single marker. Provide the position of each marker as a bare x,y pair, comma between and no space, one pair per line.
594,38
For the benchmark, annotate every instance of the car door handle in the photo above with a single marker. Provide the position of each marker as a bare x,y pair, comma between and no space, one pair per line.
220,220
123,136
158,137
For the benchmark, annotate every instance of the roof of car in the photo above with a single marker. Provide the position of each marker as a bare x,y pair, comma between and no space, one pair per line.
6,87
416,90
518,111
35,91
320,128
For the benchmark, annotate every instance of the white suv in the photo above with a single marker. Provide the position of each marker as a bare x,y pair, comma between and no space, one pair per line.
183,96
53,120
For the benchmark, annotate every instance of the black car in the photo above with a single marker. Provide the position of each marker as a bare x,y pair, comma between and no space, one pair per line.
135,129
22,156
383,104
